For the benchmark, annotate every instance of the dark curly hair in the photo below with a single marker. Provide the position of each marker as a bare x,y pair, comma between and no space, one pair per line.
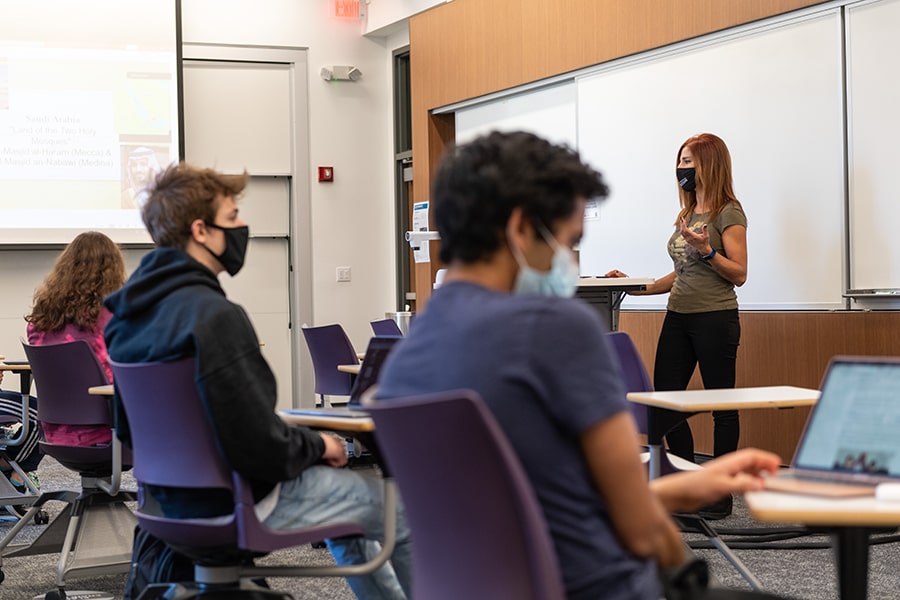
478,185
89,268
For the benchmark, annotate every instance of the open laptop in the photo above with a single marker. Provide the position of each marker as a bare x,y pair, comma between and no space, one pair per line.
850,443
376,353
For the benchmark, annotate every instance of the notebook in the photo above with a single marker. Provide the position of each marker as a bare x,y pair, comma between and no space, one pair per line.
850,443
376,353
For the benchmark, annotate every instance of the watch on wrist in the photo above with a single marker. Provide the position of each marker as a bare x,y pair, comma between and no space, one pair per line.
712,253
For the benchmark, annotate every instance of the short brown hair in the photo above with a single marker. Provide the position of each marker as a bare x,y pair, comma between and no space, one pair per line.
89,268
180,195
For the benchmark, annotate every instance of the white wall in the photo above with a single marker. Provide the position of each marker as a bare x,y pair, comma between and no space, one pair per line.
350,129
385,15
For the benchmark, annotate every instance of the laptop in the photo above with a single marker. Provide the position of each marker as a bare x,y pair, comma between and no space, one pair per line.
850,443
373,360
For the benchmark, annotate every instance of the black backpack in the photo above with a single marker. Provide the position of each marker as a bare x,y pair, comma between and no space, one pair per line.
153,561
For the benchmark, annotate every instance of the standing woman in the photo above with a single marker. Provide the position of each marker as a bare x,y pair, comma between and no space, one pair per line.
702,325
69,306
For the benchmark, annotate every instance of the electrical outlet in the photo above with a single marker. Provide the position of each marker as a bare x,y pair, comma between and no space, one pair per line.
343,274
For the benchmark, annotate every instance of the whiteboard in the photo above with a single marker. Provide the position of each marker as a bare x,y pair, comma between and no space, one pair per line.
775,97
873,93
548,112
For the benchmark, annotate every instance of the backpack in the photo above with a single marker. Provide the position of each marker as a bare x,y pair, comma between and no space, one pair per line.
153,561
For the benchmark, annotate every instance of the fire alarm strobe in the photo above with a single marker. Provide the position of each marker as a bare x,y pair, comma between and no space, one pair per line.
326,174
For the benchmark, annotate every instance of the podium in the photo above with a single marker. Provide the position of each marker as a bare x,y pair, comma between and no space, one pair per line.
605,294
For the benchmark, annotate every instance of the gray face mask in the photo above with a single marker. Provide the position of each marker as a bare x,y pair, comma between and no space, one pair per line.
562,278
686,178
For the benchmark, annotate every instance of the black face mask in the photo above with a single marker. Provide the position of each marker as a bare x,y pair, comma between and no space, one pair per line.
236,240
685,177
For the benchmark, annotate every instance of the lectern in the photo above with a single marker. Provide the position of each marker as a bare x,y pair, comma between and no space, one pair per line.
605,294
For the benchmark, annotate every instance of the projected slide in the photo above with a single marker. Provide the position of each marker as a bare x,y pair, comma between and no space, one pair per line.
88,116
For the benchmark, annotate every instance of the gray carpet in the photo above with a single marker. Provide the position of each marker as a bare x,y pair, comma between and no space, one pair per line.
801,574
30,576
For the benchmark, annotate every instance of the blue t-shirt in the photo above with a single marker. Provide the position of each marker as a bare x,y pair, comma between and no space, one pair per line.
544,368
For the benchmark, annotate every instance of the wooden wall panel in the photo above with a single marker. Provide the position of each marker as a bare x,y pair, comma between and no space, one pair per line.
780,348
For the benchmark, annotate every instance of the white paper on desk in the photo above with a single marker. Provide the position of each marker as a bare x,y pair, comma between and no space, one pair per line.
420,223
592,210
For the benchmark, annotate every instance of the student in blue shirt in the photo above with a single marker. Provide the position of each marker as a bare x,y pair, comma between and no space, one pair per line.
509,208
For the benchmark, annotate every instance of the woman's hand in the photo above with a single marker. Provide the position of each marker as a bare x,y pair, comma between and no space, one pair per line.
698,240
615,273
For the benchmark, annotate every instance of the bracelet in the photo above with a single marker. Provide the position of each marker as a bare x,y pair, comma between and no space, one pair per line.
710,255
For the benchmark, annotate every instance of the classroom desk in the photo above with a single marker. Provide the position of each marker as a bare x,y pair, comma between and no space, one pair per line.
352,425
667,409
23,370
851,519
323,421
352,369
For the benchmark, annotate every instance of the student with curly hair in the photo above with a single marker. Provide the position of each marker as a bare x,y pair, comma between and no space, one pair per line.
68,306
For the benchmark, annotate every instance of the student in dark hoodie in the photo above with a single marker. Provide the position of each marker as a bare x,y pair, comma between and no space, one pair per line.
173,307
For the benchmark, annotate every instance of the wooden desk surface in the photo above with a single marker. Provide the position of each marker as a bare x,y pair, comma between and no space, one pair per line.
14,368
101,390
779,507
780,396
326,421
352,369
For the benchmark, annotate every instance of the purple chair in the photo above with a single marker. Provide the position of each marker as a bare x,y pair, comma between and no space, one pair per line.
329,347
477,527
94,532
636,379
386,327
163,396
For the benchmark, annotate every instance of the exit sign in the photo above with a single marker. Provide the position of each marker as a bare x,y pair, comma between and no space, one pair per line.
346,9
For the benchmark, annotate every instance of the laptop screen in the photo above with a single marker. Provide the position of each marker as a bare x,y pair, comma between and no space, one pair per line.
854,425
376,352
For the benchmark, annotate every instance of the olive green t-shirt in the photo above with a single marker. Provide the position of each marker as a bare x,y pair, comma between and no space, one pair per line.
697,287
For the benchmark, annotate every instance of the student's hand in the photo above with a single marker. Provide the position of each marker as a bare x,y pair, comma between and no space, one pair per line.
615,273
698,240
733,473
335,454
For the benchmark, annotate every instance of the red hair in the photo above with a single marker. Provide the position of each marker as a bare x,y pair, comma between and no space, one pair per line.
713,164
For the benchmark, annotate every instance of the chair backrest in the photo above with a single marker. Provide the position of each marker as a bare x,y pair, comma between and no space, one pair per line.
636,379
329,347
162,397
634,374
62,374
478,529
386,327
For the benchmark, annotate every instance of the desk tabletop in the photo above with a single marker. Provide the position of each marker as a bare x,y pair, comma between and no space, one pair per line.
352,369
780,507
778,396
16,367
616,282
326,421
101,390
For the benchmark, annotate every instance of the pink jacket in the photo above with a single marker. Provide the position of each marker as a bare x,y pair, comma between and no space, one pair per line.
76,435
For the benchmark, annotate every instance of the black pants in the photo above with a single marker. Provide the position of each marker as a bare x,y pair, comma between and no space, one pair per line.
711,340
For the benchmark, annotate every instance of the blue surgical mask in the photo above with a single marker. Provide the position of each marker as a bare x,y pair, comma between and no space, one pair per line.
562,278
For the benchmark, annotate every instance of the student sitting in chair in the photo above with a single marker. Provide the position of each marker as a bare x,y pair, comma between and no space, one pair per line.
173,307
509,208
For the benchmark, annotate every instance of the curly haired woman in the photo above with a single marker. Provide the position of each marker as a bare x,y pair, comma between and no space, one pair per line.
69,306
